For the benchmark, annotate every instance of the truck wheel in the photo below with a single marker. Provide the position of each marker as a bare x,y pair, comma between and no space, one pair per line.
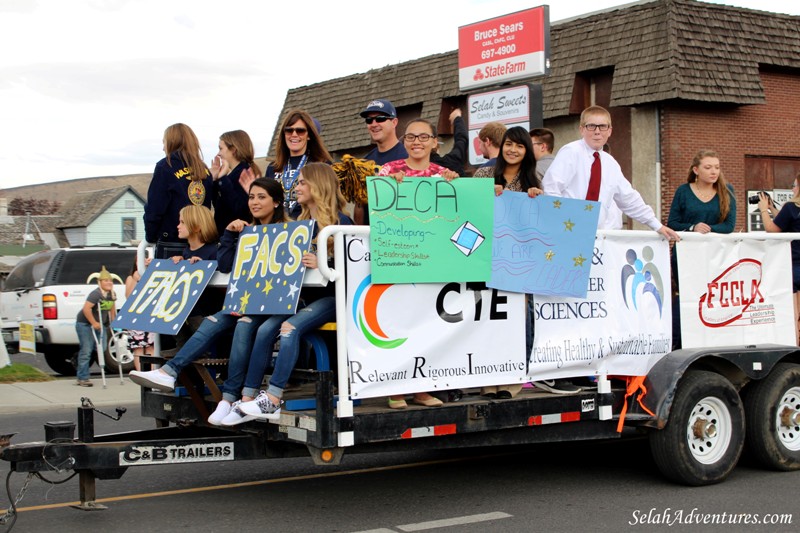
772,407
60,360
704,436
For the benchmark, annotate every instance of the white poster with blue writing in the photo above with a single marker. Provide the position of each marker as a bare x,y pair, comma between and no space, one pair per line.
426,337
622,327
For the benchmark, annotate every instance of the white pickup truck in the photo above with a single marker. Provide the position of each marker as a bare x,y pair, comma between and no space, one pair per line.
49,288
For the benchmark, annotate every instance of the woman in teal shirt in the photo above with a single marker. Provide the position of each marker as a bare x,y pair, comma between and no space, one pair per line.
699,205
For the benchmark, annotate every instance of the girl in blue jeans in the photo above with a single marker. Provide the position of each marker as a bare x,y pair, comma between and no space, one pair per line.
265,202
318,194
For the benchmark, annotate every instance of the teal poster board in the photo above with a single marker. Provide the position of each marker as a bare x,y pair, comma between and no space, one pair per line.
428,230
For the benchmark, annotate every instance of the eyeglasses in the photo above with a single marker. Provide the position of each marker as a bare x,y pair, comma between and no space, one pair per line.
299,131
380,119
423,137
601,127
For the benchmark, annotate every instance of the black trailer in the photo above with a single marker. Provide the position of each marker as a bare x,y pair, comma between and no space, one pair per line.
699,407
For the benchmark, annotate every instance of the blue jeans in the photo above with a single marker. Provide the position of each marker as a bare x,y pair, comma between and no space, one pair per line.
261,354
86,339
210,330
307,319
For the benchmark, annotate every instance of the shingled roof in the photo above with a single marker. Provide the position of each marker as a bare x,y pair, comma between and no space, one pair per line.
659,49
81,209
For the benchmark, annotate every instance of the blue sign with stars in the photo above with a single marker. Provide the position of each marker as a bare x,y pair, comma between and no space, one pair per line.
163,298
543,245
268,271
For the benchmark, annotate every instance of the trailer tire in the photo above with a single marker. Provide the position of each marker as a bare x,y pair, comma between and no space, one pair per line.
704,436
772,410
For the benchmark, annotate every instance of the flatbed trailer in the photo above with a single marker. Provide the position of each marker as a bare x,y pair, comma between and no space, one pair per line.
697,406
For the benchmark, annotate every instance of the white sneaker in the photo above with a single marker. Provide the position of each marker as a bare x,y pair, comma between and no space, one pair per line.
222,410
262,408
155,379
236,416
557,386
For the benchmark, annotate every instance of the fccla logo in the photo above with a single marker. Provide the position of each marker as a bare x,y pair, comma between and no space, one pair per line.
365,314
731,293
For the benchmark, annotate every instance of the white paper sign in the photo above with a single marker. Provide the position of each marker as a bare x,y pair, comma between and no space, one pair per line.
735,292
622,327
405,338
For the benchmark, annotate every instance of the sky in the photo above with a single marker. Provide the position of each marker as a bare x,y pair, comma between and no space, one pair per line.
87,87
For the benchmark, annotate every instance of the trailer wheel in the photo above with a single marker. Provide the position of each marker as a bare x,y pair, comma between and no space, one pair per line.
703,439
772,408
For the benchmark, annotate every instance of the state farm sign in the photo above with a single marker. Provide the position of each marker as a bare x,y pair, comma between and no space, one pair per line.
506,48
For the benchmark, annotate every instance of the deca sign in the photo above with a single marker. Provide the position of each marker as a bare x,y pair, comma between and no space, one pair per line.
502,49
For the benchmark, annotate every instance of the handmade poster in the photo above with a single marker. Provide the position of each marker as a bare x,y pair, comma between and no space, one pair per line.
164,296
404,338
267,272
735,292
622,327
428,230
543,245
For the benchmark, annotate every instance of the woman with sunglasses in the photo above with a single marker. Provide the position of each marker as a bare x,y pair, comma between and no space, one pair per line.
419,140
298,144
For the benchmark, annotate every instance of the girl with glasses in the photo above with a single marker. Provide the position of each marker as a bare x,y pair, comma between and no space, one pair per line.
419,140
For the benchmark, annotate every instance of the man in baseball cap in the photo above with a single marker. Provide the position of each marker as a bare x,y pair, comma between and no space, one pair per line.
381,119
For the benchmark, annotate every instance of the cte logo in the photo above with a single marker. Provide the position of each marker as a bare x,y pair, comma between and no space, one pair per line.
731,293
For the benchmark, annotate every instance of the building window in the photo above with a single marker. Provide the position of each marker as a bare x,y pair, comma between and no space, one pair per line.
128,229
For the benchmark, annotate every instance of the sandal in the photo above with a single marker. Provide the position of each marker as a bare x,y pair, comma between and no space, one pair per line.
430,401
397,404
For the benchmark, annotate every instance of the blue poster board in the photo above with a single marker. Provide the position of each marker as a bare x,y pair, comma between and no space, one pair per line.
543,245
268,273
165,296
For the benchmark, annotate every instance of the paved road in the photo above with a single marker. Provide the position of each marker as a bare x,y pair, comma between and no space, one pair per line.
602,487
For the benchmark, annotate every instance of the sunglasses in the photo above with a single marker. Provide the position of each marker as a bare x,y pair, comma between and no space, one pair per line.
380,119
299,131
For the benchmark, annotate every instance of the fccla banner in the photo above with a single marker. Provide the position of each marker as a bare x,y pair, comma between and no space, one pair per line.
622,327
405,338
727,296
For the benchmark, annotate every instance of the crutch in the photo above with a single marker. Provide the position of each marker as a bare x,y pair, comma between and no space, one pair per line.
101,358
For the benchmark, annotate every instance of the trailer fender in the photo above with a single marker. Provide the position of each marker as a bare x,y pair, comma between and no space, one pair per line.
738,364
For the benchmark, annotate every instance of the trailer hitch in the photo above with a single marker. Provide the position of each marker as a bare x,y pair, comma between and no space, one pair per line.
87,403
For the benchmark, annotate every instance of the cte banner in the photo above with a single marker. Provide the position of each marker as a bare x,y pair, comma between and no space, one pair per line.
165,295
727,297
428,230
542,245
622,327
267,273
407,338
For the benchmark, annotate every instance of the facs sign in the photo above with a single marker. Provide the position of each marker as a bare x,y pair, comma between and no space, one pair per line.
511,47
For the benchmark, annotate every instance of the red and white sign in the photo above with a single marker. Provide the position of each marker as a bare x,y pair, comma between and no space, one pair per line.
735,292
511,47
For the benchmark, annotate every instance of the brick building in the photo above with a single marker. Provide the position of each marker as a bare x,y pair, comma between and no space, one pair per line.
677,76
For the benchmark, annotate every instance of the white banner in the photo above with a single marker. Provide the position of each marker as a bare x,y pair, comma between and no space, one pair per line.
426,337
735,292
622,327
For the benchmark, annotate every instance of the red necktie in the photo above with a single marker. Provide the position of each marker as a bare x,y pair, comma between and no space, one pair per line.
593,193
